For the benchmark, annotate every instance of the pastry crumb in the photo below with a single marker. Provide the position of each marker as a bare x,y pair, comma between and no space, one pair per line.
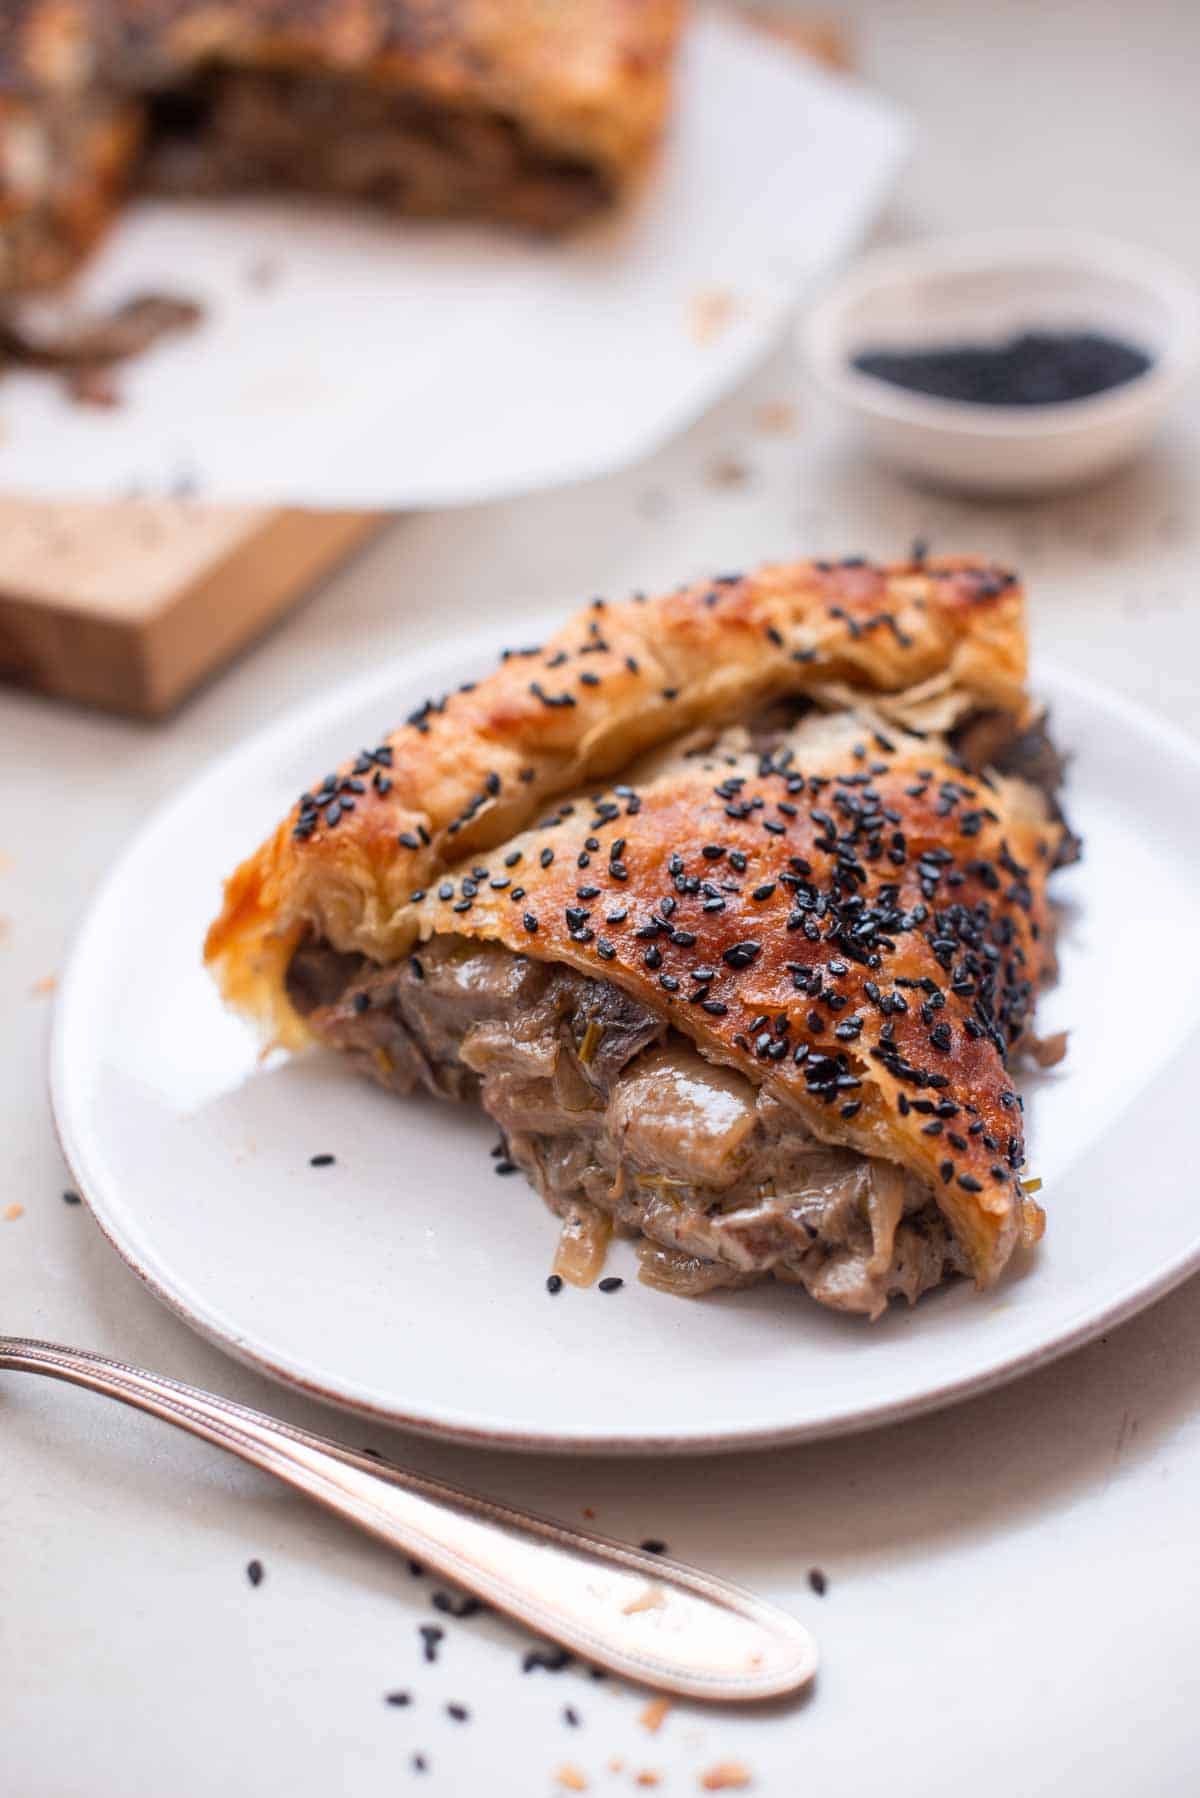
647,1778
712,310
13,1212
588,1512
726,1776
654,1715
45,985
777,418
652,1598
616,1764
570,1777
728,471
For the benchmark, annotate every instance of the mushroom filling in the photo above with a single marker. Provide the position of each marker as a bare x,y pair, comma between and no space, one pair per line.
229,130
619,1121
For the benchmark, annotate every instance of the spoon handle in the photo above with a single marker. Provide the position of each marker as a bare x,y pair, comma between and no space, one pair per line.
651,1619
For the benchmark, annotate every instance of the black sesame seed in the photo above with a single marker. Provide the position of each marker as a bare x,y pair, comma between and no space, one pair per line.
431,1634
71,1198
613,1283
321,1160
459,1712
554,1283
818,1581
652,1546
397,1699
255,1572
551,1659
530,923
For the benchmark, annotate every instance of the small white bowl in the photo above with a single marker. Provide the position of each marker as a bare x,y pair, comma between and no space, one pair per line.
985,288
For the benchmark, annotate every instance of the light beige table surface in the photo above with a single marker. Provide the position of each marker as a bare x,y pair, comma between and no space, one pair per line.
1014,1588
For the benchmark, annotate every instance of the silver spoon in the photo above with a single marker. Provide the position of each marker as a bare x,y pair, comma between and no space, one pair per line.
648,1618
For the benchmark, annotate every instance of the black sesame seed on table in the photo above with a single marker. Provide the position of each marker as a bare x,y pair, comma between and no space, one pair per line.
71,1198
255,1572
653,1546
464,1605
549,1658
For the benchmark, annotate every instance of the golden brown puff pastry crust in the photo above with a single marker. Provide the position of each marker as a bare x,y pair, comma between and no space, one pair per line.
859,926
471,768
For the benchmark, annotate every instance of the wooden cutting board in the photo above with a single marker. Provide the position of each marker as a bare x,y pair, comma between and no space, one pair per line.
128,605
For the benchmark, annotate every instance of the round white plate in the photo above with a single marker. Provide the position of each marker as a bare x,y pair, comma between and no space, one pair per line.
408,1282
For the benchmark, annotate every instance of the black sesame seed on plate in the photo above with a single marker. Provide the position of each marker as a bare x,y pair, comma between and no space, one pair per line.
71,1198
613,1283
818,1581
554,1283
255,1572
459,1712
431,1634
571,1717
321,1160
397,1699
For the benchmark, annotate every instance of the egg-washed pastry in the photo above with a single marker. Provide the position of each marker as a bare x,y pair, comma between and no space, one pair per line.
729,907
531,113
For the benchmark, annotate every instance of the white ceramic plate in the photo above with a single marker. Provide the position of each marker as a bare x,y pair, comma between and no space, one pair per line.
407,1281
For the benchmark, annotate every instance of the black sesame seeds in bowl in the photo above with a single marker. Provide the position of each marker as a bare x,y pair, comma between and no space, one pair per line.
1005,363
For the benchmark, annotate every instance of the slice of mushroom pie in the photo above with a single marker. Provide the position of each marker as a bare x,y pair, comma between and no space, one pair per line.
753,997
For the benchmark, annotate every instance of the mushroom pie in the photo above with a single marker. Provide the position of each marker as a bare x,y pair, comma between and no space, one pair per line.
526,111
729,908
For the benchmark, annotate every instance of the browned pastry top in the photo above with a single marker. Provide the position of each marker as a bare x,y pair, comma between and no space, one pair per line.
470,768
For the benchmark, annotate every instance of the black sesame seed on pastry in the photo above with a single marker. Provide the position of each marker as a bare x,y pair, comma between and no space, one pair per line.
753,1001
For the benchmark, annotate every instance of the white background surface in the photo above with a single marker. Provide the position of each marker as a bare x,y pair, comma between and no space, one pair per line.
1013,1598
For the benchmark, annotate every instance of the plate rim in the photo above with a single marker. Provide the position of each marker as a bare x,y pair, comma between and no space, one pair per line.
357,692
